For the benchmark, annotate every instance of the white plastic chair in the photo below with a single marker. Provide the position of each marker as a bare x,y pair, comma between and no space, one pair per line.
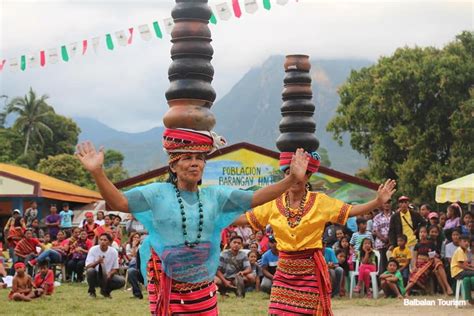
373,277
459,291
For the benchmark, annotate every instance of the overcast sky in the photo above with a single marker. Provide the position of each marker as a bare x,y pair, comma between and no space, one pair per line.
124,88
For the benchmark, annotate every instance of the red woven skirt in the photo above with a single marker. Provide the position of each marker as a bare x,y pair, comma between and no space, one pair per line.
301,284
169,297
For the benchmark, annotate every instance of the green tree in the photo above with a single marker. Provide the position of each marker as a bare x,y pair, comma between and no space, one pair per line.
323,152
68,168
65,136
11,145
411,114
32,112
113,165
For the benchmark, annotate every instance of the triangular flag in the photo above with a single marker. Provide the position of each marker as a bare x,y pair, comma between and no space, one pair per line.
42,58
121,38
236,8
2,64
95,44
267,5
108,40
144,31
251,6
169,24
130,38
53,56
282,2
84,46
32,61
13,63
64,54
213,19
157,29
223,11
73,47
23,62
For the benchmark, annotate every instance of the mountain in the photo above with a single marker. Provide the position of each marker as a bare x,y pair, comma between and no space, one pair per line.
256,99
250,112
142,151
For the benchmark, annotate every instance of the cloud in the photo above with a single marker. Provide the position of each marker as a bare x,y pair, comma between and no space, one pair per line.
125,88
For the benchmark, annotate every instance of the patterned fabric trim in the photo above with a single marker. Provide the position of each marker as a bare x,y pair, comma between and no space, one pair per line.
343,214
252,219
301,299
280,202
297,266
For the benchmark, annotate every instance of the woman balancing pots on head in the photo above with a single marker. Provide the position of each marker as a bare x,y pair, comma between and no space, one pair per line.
301,284
185,222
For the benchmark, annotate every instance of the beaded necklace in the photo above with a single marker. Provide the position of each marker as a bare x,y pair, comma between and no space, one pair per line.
294,218
183,220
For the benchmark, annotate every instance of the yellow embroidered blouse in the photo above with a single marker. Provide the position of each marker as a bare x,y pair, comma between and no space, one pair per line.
319,209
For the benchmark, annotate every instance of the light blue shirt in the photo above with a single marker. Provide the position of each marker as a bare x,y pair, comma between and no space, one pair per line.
66,218
156,207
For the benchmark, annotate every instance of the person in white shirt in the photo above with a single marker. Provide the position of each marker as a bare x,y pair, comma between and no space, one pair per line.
102,267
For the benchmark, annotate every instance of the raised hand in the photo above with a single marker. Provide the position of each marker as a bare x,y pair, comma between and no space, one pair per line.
386,190
91,159
299,164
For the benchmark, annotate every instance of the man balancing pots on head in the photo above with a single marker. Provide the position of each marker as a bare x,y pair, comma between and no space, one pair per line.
185,222
301,284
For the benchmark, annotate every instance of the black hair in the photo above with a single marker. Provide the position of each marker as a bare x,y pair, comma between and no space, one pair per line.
236,237
361,247
117,216
403,236
394,261
65,204
109,237
252,252
43,264
456,209
465,237
361,220
341,251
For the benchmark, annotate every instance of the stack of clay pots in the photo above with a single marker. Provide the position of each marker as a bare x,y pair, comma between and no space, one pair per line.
297,126
190,95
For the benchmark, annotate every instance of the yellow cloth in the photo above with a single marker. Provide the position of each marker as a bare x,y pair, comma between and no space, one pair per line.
319,209
403,257
458,257
406,229
48,246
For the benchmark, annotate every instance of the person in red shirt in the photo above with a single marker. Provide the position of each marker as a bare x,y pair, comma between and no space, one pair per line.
44,279
58,252
25,249
90,226
78,255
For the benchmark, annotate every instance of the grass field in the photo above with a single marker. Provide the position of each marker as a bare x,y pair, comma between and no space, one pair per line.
72,299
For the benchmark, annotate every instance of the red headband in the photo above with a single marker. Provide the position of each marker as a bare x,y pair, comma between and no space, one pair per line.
19,265
186,140
313,164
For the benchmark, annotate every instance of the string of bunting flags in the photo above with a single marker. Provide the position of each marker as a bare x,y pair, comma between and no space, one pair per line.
223,11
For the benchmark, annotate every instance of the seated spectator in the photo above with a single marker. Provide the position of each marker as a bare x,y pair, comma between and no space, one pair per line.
25,250
330,233
134,226
57,254
47,242
36,230
100,218
442,219
451,247
106,228
402,255
262,240
117,226
339,236
427,261
425,211
256,247
342,262
256,269
22,288
13,231
102,267
244,232
453,217
44,279
135,277
466,219
360,234
89,225
391,280
461,269
131,249
234,271
269,264
78,254
368,263
335,271
348,251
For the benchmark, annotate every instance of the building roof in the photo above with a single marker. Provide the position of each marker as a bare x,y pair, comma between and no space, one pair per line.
22,182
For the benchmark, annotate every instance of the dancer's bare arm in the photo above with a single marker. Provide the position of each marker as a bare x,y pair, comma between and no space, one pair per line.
384,194
93,160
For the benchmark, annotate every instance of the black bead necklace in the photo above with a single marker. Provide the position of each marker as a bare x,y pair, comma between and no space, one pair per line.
183,220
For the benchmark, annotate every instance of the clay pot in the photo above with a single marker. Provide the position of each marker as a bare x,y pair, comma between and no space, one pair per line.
191,65
297,62
298,105
297,77
192,102
296,90
189,27
295,122
291,141
191,47
190,89
189,116
195,9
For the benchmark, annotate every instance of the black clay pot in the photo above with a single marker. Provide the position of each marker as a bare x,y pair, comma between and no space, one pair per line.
191,65
189,27
295,90
296,105
297,77
294,123
291,141
190,75
194,9
190,89
190,48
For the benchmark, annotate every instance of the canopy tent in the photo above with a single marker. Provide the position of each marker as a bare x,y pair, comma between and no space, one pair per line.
100,205
458,190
